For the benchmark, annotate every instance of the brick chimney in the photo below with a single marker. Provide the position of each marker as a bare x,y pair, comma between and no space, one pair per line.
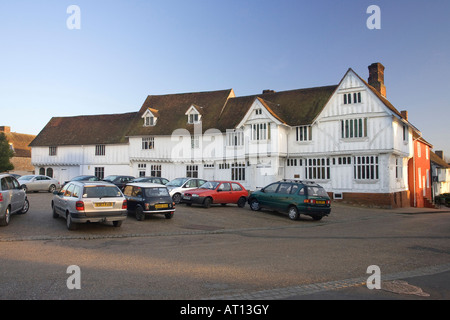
5,129
376,78
404,114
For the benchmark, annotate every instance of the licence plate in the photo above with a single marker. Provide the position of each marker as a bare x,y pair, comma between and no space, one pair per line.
320,202
103,204
161,206
186,198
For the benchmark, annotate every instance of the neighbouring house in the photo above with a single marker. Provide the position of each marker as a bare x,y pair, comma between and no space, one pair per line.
419,172
348,137
440,176
19,144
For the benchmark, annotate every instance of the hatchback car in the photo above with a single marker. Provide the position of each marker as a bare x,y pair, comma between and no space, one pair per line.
83,202
151,179
38,183
294,197
149,198
13,199
179,185
222,192
119,181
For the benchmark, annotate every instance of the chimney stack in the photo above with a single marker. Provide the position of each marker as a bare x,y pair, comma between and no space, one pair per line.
404,114
5,129
440,154
376,78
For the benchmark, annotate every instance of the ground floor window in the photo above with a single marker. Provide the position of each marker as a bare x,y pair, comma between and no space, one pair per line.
238,171
365,168
142,168
192,171
99,172
155,170
317,168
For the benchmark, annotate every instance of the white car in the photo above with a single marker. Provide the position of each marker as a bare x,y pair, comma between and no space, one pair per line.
179,185
39,183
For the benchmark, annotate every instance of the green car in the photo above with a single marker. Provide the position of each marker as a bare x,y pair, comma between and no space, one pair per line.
294,197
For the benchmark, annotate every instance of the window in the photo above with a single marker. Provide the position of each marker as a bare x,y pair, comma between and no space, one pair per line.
261,131
317,168
149,121
236,187
258,111
235,138
354,128
405,133
238,171
100,150
223,166
224,187
99,172
303,133
155,170
350,98
50,172
291,162
365,168
419,151
148,143
271,188
342,160
42,171
142,168
399,168
192,171
52,151
195,142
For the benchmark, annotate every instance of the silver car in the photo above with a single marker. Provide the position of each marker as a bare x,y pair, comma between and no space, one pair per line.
13,198
84,201
38,183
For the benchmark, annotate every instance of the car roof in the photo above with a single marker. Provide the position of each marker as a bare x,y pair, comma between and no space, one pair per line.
93,183
304,182
146,185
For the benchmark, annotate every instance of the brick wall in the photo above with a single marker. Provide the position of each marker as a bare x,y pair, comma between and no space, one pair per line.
382,200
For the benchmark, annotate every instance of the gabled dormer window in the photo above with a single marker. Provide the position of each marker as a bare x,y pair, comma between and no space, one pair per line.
193,115
150,117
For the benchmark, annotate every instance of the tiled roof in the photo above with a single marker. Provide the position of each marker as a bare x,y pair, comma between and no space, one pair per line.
20,142
85,130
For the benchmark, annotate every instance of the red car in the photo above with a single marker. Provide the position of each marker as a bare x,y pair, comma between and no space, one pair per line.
222,192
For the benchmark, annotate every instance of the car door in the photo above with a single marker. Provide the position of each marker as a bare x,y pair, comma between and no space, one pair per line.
236,192
265,198
18,194
223,193
283,198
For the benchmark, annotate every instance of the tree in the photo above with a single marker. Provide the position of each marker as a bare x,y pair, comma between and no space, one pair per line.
5,154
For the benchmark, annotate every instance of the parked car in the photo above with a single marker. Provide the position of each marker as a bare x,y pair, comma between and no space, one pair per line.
38,183
149,198
13,199
293,197
179,185
119,181
83,178
222,192
82,202
151,179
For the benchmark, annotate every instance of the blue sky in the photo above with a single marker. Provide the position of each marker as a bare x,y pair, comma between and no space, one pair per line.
126,50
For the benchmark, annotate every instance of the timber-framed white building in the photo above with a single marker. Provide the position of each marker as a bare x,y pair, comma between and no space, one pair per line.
347,137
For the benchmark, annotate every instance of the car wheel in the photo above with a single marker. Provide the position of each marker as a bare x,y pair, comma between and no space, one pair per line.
254,205
117,224
241,202
176,198
52,188
26,206
6,218
168,215
207,202
140,215
70,224
293,213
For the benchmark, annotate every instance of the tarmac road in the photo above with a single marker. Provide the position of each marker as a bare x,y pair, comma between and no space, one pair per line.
228,253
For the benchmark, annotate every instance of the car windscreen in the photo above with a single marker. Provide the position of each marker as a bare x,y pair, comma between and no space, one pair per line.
156,192
209,185
176,182
317,192
101,192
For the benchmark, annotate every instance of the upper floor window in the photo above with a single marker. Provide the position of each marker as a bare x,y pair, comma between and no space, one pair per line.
52,151
354,128
235,138
148,143
258,111
150,117
261,131
303,133
193,115
100,150
354,97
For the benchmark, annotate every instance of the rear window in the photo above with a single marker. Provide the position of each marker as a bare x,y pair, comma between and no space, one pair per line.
156,192
317,192
101,192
